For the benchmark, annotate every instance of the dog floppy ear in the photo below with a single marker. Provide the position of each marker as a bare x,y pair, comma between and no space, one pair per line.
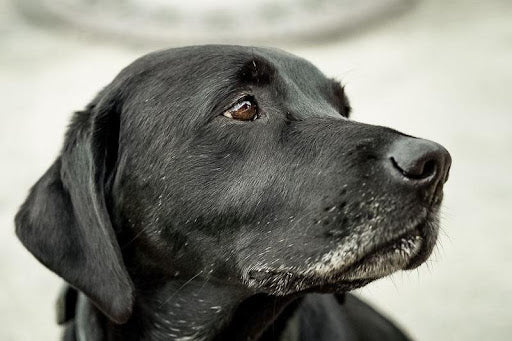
65,223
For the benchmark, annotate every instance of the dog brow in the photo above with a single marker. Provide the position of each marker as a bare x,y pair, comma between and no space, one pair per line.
256,71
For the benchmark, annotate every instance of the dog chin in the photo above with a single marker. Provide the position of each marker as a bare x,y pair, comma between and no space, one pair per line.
342,270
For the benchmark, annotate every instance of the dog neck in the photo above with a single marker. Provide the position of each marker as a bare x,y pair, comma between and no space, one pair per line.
199,310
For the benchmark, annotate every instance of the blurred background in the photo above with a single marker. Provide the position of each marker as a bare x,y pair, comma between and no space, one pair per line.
437,69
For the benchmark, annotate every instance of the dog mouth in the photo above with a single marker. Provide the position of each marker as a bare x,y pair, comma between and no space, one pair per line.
387,258
344,269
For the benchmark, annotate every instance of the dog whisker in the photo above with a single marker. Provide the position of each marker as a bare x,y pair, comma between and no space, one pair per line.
181,287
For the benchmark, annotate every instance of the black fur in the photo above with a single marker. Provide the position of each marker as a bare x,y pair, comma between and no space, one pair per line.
173,221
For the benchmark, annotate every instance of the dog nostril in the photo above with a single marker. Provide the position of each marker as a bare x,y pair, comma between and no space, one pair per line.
418,171
419,160
428,169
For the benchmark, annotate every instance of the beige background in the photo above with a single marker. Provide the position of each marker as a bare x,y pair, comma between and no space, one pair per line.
442,71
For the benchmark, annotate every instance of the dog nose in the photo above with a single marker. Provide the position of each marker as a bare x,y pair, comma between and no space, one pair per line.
420,162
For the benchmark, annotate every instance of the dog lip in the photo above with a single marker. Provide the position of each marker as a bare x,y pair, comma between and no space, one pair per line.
387,258
425,250
406,250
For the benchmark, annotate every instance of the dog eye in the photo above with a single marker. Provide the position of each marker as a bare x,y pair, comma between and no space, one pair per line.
244,110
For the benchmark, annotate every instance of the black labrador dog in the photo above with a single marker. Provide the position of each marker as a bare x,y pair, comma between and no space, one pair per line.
223,193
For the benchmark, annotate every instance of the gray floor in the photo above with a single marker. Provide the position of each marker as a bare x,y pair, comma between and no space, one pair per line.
443,71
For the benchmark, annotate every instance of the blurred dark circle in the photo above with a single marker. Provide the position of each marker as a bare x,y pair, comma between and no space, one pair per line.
200,21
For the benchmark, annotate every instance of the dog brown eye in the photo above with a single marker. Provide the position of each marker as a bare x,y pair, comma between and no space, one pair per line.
243,111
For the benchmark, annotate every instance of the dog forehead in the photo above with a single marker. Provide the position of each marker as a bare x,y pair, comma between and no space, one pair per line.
217,63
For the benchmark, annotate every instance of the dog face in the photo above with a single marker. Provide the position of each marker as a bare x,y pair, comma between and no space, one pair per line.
236,164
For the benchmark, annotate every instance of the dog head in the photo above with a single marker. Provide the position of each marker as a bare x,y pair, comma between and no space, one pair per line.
234,163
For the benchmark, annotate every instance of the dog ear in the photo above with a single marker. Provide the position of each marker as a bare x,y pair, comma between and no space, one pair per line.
65,223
